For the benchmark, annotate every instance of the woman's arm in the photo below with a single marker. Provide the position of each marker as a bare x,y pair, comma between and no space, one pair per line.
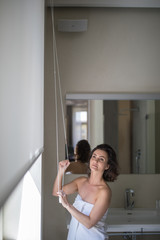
100,207
58,181
69,188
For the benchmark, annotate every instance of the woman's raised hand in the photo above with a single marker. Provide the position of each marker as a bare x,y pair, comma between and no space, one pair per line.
64,164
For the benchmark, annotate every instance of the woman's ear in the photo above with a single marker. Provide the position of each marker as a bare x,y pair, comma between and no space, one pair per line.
107,167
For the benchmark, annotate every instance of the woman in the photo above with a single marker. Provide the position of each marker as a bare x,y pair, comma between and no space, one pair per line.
82,153
89,210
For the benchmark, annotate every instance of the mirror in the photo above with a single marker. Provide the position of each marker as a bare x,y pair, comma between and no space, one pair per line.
130,123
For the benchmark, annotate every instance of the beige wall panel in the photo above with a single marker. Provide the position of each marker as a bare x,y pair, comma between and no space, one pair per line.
119,53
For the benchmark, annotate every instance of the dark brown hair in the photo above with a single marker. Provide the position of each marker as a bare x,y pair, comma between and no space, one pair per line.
83,150
112,172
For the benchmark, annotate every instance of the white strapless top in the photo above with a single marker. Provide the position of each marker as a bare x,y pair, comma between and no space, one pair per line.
78,231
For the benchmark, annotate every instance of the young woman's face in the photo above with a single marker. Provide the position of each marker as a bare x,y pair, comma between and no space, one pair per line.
99,161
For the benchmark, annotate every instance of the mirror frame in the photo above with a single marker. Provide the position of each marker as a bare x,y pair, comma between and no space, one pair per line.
113,96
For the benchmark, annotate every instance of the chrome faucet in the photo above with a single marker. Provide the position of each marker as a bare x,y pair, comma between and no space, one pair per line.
129,199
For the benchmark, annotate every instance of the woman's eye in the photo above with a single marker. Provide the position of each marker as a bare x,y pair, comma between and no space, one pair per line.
93,156
102,159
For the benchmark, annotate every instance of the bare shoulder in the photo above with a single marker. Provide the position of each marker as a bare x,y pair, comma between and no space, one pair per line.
80,180
105,192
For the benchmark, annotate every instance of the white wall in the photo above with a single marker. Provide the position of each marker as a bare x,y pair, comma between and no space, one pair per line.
119,53
1,226
22,210
11,213
21,88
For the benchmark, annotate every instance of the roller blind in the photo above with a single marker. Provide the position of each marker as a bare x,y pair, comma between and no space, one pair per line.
21,88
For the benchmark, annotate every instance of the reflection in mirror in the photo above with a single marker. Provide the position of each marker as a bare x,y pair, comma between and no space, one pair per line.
77,133
81,157
131,127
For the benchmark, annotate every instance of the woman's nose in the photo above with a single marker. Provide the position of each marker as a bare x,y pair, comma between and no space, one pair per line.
96,159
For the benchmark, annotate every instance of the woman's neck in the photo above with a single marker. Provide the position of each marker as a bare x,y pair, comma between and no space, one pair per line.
95,179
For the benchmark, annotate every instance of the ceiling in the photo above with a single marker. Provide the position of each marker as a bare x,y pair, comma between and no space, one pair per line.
104,3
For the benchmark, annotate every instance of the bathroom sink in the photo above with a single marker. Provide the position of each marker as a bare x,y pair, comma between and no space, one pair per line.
138,219
136,213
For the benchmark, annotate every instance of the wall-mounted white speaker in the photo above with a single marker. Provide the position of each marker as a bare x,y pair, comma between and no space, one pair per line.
72,25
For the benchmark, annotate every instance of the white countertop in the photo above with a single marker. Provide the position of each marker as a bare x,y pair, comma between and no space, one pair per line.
136,220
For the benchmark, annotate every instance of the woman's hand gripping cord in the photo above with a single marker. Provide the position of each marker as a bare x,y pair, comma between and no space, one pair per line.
63,198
